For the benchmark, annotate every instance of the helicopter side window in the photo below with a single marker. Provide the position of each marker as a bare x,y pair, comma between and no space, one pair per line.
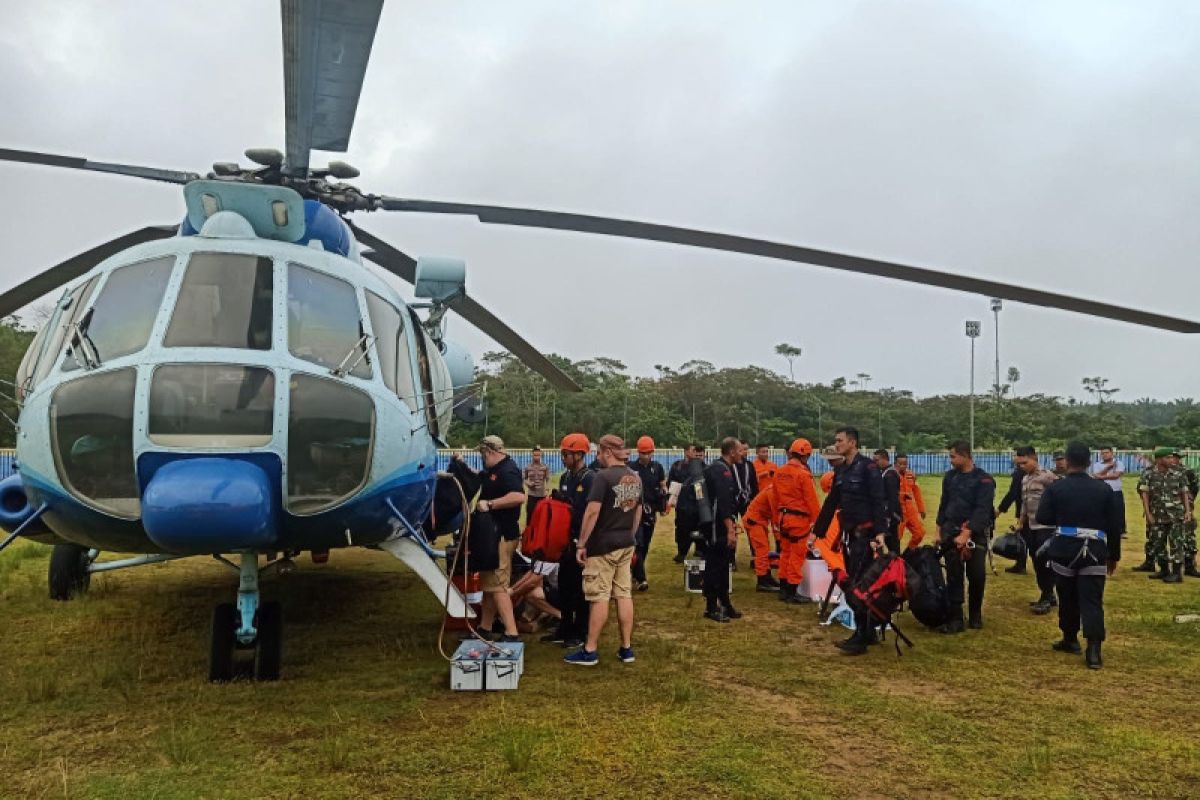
424,347
119,322
324,325
69,311
443,391
391,343
331,426
29,363
211,405
225,301
91,429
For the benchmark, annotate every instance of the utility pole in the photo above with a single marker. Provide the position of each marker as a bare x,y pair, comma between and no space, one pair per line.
997,305
973,334
554,420
625,417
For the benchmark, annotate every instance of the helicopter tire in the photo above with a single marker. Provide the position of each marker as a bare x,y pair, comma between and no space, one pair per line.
69,574
268,649
224,639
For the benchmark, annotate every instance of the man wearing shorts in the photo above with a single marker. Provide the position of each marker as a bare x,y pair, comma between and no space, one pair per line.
606,541
501,494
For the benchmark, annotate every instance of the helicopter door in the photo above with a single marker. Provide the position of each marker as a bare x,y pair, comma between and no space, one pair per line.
425,371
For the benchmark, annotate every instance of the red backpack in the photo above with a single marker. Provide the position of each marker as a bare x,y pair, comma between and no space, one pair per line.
548,531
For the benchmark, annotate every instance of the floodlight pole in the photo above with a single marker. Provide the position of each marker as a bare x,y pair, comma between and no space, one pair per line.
997,305
972,334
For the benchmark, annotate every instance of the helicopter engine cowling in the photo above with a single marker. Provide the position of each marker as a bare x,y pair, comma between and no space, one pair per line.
15,508
209,505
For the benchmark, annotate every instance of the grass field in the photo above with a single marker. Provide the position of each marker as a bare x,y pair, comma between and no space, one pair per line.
105,697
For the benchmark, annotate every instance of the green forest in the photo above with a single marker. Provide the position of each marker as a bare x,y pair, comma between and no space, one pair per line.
14,341
696,401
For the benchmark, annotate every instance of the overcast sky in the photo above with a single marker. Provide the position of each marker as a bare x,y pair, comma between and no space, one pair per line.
1051,144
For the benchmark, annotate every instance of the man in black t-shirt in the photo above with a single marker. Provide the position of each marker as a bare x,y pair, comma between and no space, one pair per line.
605,550
501,494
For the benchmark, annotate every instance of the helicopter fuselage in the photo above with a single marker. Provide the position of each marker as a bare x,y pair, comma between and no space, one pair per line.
224,393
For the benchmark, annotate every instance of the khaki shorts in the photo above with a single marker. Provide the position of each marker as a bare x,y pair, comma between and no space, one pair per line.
608,576
497,580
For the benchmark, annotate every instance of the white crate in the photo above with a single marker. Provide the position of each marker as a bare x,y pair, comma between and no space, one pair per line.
467,668
693,576
815,580
504,666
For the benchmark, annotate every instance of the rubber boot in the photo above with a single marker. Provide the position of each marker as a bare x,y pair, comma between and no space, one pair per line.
955,625
785,591
1189,569
766,584
1176,575
1093,654
1145,566
1163,571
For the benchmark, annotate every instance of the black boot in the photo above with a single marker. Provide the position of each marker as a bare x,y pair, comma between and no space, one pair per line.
1093,654
975,622
1176,574
955,625
1163,571
1145,566
1189,569
1016,569
731,612
766,583
1068,646
1043,604
856,645
785,591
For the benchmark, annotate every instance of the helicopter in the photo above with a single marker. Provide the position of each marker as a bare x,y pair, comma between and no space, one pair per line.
245,386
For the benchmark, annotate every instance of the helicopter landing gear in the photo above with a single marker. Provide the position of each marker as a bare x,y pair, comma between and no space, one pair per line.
250,626
69,574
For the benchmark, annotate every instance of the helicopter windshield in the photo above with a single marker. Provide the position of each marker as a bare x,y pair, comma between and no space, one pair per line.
211,405
225,301
324,325
120,321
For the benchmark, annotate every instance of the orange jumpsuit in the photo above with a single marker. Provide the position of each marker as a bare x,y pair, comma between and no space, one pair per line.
764,472
796,496
828,546
758,519
913,506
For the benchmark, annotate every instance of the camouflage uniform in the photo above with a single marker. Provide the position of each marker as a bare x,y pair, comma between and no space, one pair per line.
1189,538
1165,538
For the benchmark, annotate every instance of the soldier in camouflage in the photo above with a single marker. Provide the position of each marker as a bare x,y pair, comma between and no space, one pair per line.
1167,505
1189,529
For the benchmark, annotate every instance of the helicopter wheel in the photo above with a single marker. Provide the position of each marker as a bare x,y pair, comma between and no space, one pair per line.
268,649
69,575
224,641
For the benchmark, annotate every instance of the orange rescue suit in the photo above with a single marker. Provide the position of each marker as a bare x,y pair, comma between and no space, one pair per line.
758,519
798,507
829,546
764,473
913,506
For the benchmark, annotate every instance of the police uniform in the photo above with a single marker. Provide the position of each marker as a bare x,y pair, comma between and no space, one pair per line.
721,492
857,498
574,488
1088,522
895,511
652,475
966,500
687,472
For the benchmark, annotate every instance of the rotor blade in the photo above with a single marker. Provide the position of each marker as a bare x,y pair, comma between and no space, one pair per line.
22,295
583,223
404,267
326,44
70,162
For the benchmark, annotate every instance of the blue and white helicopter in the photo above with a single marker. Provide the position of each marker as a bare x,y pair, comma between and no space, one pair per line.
242,385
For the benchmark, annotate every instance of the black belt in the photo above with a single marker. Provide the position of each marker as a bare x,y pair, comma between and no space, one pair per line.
794,512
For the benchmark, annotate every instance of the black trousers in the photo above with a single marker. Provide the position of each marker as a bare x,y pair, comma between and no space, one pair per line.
686,523
1081,600
1026,536
574,607
958,572
716,575
531,503
858,556
641,545
1041,564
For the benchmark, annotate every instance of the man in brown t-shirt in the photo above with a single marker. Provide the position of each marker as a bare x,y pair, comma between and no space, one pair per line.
606,541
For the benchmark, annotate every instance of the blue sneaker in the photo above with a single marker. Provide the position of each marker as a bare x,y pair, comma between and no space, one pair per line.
626,655
584,658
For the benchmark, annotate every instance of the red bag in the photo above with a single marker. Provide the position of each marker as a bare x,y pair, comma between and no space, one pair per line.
548,531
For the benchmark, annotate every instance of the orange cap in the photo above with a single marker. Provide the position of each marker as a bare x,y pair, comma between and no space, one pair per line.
801,447
575,443
645,445
827,482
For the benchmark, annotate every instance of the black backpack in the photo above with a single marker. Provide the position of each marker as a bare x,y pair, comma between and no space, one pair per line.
928,599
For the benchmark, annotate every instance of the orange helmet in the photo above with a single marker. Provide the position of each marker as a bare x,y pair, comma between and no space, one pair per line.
800,447
645,445
575,443
827,482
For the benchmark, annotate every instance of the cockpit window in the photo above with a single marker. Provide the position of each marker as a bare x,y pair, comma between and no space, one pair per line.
391,344
225,301
119,322
91,428
68,313
324,325
211,405
331,426
29,363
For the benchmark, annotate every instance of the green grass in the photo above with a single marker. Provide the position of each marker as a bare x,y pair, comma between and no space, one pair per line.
105,698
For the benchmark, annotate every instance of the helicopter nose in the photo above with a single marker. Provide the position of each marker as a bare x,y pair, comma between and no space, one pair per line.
209,505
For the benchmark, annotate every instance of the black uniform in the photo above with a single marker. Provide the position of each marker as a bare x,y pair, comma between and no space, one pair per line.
1010,499
652,476
721,491
967,497
687,513
1079,564
895,513
857,496
574,488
